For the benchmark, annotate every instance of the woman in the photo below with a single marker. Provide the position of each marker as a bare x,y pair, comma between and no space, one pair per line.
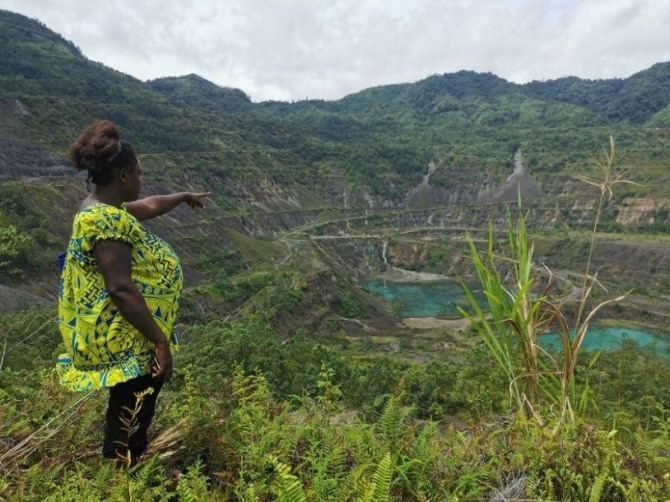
120,290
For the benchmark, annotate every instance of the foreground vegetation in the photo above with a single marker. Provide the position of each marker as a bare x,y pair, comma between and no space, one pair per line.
249,417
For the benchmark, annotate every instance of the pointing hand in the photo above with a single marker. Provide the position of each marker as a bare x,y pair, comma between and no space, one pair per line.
195,199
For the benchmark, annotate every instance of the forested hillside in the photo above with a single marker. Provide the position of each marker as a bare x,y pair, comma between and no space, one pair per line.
297,383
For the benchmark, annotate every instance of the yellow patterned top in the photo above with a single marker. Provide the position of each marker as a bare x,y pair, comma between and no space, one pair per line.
104,349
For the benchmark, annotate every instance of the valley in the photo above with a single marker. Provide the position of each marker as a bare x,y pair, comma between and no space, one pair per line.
305,359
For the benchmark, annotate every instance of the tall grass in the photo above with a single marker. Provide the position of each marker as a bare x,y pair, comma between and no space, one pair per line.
519,309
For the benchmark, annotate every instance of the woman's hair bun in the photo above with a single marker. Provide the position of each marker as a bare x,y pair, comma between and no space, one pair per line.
96,144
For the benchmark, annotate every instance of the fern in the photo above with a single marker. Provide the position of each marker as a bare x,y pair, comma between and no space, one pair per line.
104,476
356,484
392,422
185,492
380,487
597,488
327,465
415,470
406,468
246,493
289,488
192,487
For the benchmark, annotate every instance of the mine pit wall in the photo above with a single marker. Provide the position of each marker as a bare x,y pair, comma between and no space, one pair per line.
182,226
570,205
566,211
275,209
652,216
622,266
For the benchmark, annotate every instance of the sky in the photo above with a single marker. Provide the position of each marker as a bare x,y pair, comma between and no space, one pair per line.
291,50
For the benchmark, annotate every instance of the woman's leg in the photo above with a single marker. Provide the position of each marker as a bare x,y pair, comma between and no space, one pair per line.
122,431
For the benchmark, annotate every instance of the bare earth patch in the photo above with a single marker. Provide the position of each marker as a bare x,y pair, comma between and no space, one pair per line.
434,323
394,274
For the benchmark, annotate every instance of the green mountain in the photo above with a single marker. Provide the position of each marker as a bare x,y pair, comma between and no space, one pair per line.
193,90
475,120
633,100
409,153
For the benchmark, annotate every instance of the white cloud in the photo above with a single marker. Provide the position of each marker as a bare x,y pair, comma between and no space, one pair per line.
326,49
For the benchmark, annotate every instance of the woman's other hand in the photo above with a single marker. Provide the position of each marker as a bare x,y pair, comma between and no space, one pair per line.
195,199
161,366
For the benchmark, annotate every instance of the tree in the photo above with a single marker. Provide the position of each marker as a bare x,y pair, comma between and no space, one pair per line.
16,250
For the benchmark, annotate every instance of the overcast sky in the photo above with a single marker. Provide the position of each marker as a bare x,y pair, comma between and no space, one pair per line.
325,49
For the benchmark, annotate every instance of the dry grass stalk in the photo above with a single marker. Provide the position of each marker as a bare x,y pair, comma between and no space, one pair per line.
39,436
517,315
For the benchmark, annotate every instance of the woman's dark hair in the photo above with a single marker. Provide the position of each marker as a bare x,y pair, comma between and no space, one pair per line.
100,151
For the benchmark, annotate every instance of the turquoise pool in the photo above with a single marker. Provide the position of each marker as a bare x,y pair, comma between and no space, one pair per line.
436,298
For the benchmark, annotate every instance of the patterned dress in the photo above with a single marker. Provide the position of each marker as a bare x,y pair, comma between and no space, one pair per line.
103,349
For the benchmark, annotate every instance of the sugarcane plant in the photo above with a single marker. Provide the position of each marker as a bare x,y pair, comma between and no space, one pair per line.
518,309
